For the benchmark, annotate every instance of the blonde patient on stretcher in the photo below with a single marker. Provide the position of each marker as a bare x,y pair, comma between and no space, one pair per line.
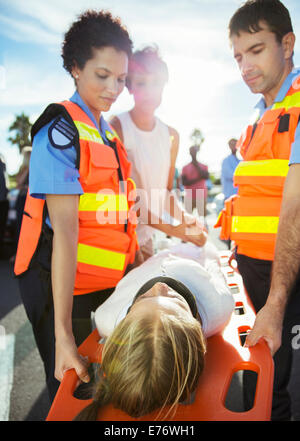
154,356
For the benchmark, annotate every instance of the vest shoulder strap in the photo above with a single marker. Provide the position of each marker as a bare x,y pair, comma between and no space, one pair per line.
53,111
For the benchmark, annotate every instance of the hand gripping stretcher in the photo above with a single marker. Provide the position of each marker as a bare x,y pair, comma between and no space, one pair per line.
225,357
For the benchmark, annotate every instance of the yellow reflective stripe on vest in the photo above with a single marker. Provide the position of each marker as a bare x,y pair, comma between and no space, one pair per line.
103,202
268,167
100,257
88,133
254,224
288,102
111,135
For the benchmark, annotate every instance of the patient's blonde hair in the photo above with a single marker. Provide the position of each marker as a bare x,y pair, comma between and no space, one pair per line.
149,363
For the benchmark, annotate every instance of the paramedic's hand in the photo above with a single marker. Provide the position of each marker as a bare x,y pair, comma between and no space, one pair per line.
231,261
190,230
139,259
67,357
267,325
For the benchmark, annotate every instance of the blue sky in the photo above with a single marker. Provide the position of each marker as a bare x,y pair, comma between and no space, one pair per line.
205,89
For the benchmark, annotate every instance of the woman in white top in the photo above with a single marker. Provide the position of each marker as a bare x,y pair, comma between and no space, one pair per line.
152,148
155,324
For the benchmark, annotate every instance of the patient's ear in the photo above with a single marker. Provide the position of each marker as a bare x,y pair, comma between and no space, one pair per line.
199,318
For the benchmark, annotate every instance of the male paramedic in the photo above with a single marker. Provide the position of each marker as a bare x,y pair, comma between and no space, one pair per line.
262,39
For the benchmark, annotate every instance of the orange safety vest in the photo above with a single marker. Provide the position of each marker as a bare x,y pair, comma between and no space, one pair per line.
250,218
107,239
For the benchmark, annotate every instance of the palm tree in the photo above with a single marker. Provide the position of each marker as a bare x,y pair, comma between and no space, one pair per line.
197,137
21,126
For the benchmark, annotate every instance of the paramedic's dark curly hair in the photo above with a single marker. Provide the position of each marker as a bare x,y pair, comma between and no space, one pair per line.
272,12
93,29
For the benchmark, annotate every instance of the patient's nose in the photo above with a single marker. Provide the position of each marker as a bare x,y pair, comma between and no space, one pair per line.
160,288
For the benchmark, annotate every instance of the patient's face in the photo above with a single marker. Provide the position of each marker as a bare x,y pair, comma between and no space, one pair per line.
161,298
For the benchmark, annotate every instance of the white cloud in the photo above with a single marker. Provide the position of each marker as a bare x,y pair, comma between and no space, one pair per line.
27,86
21,30
5,121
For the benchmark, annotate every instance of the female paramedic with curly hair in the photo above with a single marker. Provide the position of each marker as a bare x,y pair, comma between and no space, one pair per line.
76,239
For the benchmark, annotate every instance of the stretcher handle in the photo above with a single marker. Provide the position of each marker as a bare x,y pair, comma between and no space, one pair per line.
89,346
69,381
261,356
65,406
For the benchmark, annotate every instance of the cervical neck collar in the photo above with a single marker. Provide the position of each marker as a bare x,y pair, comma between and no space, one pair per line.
174,284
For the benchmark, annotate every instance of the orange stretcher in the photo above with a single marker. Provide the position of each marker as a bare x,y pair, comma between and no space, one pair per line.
225,357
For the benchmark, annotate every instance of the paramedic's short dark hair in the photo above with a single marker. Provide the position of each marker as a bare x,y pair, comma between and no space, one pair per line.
93,29
249,16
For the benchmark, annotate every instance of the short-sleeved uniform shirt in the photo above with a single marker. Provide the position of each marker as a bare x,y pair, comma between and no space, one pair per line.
261,108
53,159
229,165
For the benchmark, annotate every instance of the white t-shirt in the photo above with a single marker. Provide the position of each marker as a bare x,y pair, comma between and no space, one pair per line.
150,155
197,268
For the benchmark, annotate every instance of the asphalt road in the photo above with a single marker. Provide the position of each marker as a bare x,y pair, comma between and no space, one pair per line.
28,399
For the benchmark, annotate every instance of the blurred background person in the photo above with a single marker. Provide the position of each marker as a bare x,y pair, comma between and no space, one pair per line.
194,176
177,183
22,179
3,204
228,167
22,182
